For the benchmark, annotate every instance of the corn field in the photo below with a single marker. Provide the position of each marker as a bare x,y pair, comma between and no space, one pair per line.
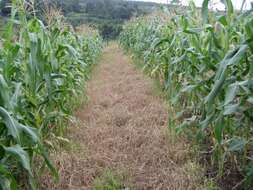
204,61
43,68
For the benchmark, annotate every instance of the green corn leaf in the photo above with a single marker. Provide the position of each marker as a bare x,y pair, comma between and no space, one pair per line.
231,58
250,100
17,94
187,123
231,93
236,144
10,124
231,109
7,181
204,11
189,88
229,7
216,89
249,178
238,56
44,153
208,119
222,19
218,130
31,132
21,155
71,50
4,92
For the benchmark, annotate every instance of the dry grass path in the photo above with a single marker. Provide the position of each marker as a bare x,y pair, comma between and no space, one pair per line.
122,132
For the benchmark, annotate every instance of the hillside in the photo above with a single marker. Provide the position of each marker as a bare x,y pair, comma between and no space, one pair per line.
106,15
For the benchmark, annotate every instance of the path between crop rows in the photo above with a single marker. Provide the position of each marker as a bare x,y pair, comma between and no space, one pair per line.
122,129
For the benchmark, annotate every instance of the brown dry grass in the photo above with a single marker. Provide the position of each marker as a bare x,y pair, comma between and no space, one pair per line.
123,128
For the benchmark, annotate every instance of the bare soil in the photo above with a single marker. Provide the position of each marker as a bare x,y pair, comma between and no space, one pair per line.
123,128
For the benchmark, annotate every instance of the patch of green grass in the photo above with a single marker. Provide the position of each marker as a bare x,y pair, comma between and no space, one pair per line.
109,181
210,184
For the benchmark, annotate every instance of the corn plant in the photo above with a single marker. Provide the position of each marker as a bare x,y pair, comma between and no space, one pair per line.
42,71
204,61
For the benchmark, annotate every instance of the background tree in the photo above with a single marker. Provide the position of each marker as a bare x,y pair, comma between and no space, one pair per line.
107,16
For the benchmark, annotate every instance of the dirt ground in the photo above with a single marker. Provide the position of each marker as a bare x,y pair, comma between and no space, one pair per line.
123,129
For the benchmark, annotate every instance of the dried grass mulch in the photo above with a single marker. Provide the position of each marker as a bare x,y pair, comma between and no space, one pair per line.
124,129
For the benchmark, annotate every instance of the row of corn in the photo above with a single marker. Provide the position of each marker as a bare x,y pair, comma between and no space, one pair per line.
204,61
43,69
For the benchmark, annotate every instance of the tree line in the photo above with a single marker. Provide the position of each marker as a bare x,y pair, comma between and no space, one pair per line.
106,15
